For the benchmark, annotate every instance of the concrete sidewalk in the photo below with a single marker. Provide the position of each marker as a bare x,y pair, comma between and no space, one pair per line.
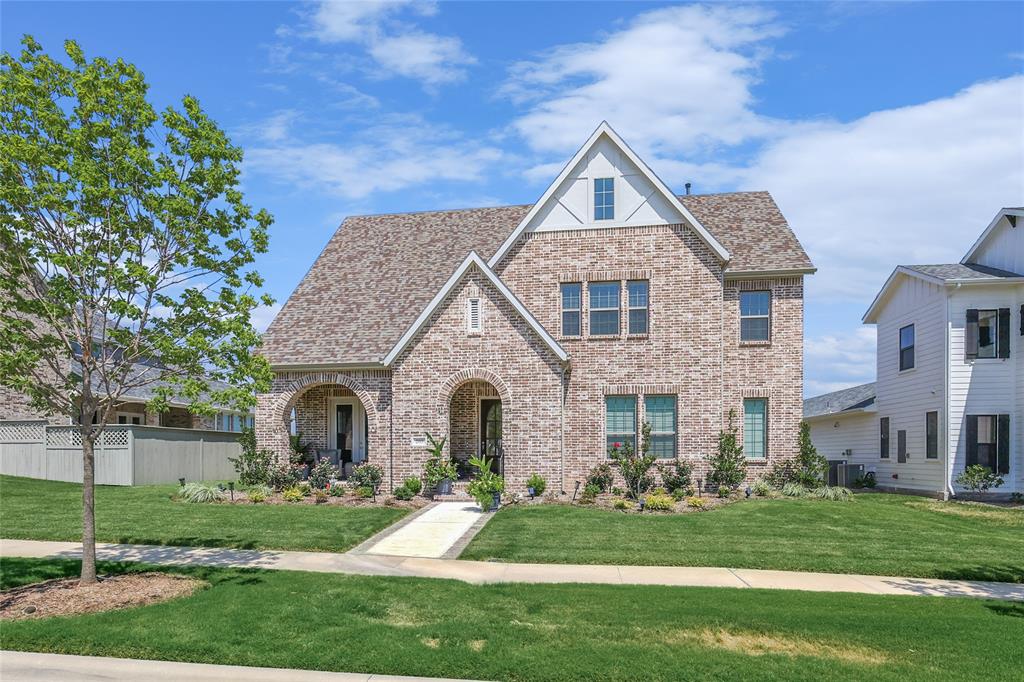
18,666
483,572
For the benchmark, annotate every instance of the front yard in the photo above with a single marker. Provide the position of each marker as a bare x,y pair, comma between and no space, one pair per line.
535,632
872,534
49,510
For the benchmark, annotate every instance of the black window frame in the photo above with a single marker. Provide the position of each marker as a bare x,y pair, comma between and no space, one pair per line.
592,310
998,449
631,308
931,434
767,316
577,311
883,438
907,354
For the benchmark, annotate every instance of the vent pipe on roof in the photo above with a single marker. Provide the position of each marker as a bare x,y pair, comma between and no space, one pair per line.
688,189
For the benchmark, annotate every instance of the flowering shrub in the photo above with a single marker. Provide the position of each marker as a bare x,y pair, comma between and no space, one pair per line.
320,475
368,476
634,466
602,476
283,475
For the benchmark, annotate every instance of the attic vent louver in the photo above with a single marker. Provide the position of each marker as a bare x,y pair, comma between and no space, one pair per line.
473,322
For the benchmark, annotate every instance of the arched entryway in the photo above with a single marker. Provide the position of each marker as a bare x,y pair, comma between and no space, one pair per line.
477,403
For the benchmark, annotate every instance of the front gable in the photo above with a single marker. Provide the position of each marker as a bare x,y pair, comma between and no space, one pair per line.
1001,245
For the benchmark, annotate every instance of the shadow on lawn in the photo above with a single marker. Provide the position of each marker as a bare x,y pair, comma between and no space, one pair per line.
204,541
1000,573
16,571
1014,610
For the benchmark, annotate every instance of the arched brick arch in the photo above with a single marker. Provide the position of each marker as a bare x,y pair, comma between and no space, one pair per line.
472,374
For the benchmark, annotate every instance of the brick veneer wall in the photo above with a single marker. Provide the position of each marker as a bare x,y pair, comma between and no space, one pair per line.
464,426
14,407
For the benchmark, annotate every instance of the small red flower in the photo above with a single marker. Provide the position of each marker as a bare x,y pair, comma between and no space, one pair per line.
616,445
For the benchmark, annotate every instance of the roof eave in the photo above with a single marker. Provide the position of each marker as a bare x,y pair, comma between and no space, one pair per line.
969,257
779,272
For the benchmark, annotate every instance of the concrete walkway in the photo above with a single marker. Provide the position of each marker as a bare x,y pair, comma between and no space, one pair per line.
484,572
430,533
17,666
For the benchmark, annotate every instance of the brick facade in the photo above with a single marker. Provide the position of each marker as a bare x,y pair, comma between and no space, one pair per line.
554,422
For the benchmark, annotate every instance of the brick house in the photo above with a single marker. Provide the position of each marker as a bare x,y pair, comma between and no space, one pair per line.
540,334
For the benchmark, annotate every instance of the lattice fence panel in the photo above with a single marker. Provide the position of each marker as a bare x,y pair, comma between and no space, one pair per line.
115,438
63,437
22,432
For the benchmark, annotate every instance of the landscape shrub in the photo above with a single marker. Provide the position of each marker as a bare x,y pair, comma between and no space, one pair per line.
794,489
617,491
677,475
537,482
336,489
368,476
253,465
833,493
728,465
306,489
865,480
681,493
364,491
199,493
602,477
979,478
320,495
622,505
413,485
696,502
762,488
590,493
259,493
724,491
292,494
282,475
301,453
812,468
320,475
635,466
659,502
403,493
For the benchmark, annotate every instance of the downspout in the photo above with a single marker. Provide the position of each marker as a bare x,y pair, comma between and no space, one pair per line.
391,437
561,427
946,357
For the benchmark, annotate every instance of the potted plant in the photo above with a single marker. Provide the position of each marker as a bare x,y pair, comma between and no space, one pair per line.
439,469
487,486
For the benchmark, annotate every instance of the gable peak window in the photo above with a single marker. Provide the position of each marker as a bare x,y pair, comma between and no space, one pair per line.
755,315
474,318
907,347
571,298
604,198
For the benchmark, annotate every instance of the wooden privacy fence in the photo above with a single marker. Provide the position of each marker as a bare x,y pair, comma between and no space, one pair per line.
125,454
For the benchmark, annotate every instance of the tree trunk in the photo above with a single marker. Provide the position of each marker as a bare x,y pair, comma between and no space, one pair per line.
88,511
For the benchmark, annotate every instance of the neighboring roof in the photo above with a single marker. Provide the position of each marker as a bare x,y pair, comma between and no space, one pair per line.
605,130
471,260
378,273
1012,213
754,230
854,399
144,394
960,272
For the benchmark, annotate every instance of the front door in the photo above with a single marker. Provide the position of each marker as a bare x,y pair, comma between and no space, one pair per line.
344,435
490,432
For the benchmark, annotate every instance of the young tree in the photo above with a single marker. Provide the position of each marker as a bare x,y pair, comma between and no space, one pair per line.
728,465
125,250
812,467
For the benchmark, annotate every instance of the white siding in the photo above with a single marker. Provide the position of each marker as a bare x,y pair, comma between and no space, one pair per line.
986,386
906,396
637,201
1004,247
858,432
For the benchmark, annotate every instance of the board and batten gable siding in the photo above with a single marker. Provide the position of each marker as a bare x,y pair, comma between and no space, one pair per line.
985,385
1004,247
857,432
905,397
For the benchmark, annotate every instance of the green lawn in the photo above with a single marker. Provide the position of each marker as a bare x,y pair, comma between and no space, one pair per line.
538,632
48,510
874,534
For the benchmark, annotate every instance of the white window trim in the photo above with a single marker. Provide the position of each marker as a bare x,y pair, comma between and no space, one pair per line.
646,308
768,316
141,416
591,309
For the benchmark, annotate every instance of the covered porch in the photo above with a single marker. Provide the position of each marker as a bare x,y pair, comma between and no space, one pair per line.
476,426
333,423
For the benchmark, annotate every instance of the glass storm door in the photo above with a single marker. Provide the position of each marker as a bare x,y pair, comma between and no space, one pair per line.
343,420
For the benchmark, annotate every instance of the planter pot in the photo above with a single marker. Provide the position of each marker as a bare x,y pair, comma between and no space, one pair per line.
444,487
495,502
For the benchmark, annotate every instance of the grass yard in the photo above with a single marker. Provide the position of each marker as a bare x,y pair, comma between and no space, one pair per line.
874,534
537,632
50,510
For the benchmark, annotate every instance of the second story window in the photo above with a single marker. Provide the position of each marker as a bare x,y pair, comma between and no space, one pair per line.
987,334
571,297
637,290
907,347
755,315
604,308
604,199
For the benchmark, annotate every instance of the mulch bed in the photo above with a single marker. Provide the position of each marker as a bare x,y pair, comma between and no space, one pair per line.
347,500
66,597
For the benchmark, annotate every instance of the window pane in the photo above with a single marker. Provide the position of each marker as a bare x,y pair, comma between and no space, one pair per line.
663,447
661,413
570,297
637,293
620,420
987,320
638,321
755,414
604,322
883,446
987,429
604,308
932,435
571,323
907,337
754,329
604,295
604,199
754,303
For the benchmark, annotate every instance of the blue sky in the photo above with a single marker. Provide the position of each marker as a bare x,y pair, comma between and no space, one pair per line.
888,133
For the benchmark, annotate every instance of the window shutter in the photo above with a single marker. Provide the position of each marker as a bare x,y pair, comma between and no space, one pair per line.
1003,444
971,335
972,439
901,446
1004,332
1022,320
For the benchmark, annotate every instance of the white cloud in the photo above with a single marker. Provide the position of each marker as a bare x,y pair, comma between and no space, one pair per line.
845,359
909,185
402,152
675,79
396,46
263,315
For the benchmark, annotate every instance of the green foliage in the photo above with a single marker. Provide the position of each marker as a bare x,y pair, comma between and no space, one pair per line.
601,476
978,478
659,502
485,483
623,505
833,493
762,488
259,493
590,493
782,473
199,492
538,483
319,495
635,467
677,475
724,491
438,467
680,493
368,475
403,493
793,489
365,492
282,475
253,465
301,453
728,465
413,484
812,468
336,489
696,502
866,480
292,494
321,474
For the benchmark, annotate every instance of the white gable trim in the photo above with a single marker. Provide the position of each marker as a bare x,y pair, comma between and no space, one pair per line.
871,316
672,199
471,260
973,251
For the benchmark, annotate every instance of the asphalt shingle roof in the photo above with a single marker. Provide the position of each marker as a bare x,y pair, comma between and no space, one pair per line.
958,271
377,273
852,398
